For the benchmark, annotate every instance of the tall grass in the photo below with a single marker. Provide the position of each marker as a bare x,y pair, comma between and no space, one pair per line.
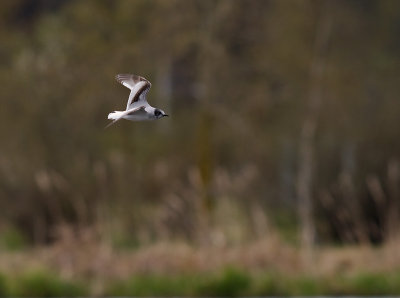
229,282
44,284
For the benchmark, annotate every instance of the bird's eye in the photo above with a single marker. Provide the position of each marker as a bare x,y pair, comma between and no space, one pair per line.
157,113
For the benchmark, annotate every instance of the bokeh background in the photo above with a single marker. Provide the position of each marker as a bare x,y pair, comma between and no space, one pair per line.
282,147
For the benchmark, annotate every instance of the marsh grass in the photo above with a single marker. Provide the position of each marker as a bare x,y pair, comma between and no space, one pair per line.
232,282
3,286
229,282
366,283
263,269
44,284
153,285
11,239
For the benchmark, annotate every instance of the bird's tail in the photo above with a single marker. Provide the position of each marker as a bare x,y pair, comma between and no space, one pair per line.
115,116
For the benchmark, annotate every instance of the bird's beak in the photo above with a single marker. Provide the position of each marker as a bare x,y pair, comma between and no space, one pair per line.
165,115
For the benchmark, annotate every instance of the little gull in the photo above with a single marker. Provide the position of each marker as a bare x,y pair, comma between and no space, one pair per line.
137,108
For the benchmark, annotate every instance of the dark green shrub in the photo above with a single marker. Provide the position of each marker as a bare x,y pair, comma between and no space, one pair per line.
152,285
231,283
43,284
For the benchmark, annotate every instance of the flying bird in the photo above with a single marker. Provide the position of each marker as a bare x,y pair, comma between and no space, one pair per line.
137,108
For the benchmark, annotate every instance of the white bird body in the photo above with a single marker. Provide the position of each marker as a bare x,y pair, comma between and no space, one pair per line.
137,108
144,114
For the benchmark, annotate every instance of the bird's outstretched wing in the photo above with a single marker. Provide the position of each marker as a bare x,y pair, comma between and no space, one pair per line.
139,87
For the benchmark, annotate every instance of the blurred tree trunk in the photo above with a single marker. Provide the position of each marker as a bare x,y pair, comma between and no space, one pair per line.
392,221
209,58
204,126
308,129
164,86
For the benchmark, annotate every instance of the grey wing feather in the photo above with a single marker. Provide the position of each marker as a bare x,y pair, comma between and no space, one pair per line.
139,87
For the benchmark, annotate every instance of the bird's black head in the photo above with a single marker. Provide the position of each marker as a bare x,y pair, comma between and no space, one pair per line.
159,113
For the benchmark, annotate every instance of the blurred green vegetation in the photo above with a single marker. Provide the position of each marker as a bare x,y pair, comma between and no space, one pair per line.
3,286
153,285
45,284
12,239
227,283
231,282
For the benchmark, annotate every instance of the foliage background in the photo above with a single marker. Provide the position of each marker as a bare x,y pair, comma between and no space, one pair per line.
284,121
